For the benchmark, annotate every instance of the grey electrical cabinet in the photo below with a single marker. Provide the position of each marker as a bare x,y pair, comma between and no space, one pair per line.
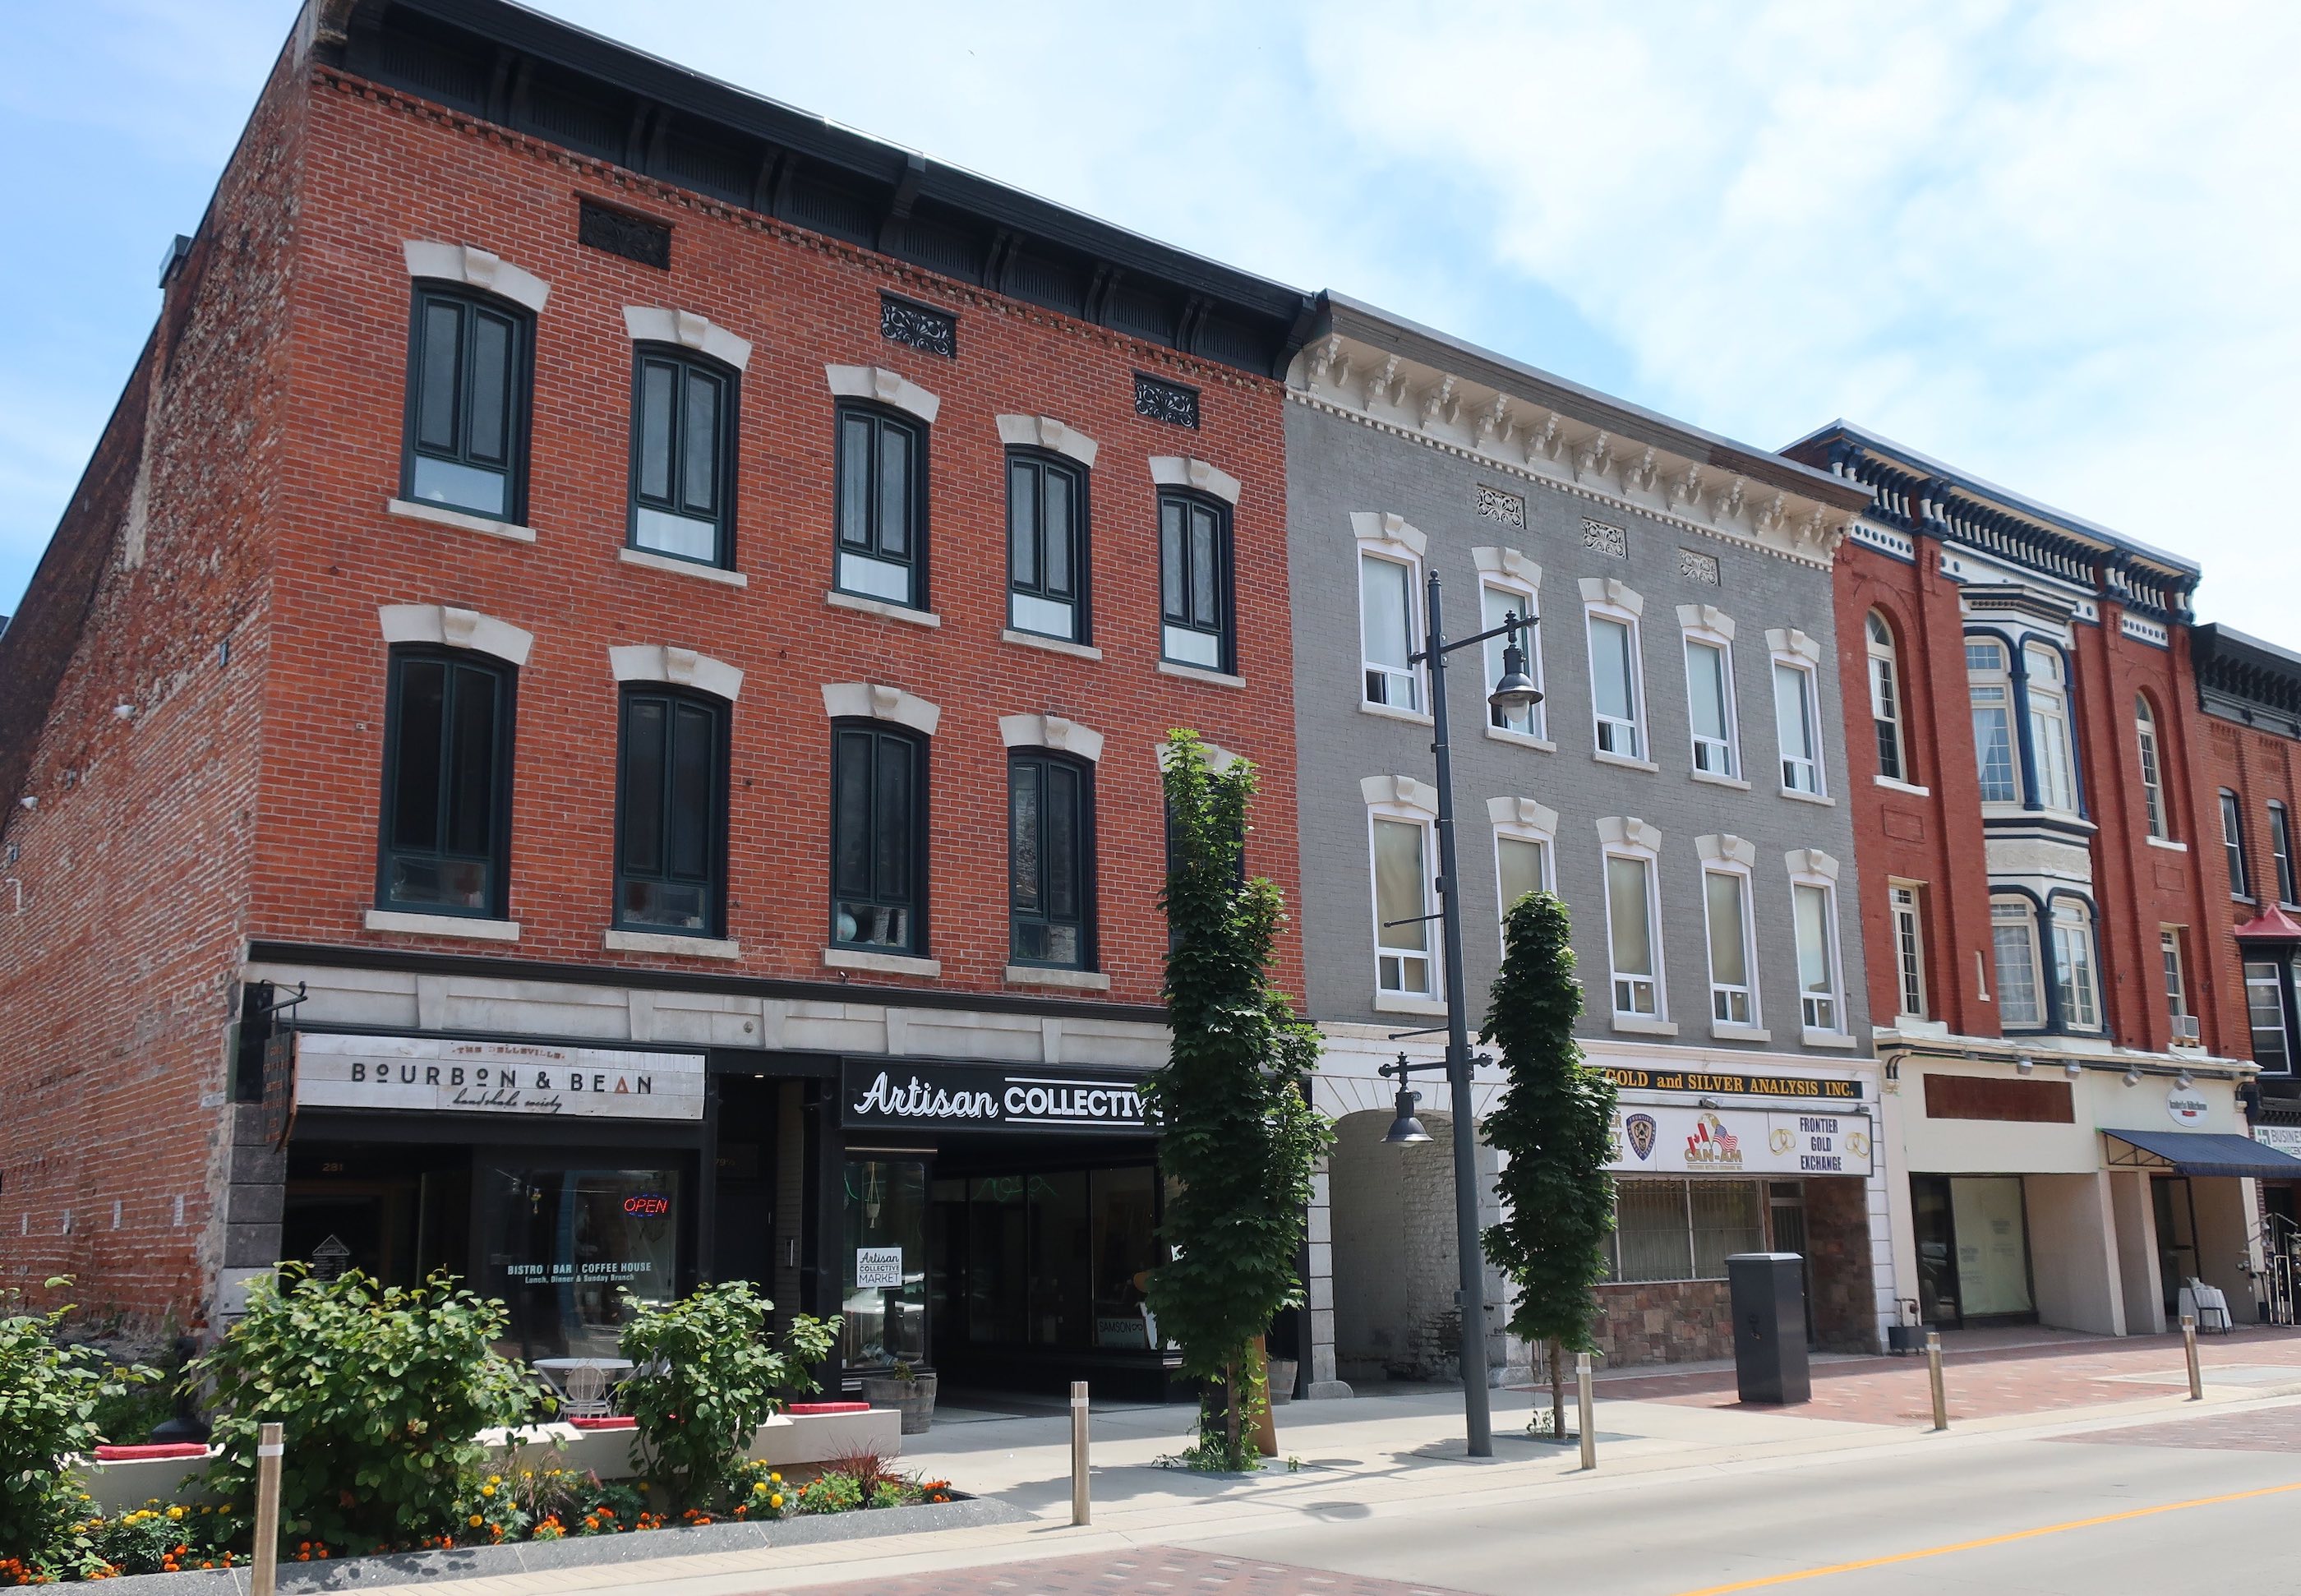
1770,1361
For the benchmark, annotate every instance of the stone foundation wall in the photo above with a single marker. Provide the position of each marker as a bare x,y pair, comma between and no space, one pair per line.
1677,1321
1838,1265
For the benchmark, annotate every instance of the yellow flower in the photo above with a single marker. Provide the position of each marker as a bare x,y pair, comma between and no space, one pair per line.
475,1521
487,1491
776,1500
175,1512
760,1489
495,1479
775,1479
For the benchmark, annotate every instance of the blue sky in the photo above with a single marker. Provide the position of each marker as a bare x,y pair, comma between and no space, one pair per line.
2056,246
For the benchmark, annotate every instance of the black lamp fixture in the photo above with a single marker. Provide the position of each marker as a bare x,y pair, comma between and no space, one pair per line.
1515,692
1406,1130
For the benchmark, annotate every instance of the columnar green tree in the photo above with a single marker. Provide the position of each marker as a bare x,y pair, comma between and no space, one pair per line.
1238,1134
1553,1128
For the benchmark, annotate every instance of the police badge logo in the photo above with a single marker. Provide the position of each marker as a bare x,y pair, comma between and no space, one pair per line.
1640,1129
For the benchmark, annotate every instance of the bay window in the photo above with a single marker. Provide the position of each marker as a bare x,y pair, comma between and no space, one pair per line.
2074,983
2013,939
2268,1005
2049,728
1990,686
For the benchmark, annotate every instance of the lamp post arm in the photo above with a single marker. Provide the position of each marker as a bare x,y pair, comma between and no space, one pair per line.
1439,650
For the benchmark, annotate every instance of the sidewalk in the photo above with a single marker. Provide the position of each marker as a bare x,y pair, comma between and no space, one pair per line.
1403,1453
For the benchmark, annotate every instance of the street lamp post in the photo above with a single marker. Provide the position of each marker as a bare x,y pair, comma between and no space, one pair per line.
1514,692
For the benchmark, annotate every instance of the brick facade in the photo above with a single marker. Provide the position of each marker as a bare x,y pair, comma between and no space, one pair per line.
238,805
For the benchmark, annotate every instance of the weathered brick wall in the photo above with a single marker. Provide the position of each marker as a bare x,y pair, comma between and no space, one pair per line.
1838,1265
391,170
117,962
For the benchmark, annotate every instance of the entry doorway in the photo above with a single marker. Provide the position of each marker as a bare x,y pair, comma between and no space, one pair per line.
2176,1204
1974,1250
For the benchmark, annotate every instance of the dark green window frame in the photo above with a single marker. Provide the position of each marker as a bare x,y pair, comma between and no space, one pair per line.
1195,581
880,504
683,473
470,378
1050,861
444,830
671,812
878,838
1047,546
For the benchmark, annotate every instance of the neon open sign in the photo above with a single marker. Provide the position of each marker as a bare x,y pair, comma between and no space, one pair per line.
647,1205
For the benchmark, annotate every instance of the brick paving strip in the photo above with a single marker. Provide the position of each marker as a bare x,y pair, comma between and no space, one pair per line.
1151,1571
2263,1430
1988,1383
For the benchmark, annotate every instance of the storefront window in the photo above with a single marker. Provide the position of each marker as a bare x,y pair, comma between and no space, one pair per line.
1684,1229
1993,1246
1126,1238
885,1279
1050,1258
562,1246
1727,1219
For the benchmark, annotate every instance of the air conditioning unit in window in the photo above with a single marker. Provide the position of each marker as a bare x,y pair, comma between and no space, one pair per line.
2185,1030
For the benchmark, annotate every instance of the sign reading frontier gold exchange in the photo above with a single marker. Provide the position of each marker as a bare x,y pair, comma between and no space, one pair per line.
1819,1089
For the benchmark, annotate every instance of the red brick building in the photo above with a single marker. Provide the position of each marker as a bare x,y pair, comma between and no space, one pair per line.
2046,907
566,505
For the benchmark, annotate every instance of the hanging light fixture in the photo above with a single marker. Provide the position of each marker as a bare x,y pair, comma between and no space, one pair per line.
1406,1130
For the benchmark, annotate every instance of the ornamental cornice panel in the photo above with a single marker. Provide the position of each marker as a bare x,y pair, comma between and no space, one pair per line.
1503,433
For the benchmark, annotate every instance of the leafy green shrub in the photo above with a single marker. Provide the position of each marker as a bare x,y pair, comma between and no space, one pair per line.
49,1395
381,1391
831,1493
158,1538
706,1377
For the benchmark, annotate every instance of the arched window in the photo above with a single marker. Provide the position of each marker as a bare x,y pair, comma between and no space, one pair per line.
2049,728
1992,690
2153,768
1885,699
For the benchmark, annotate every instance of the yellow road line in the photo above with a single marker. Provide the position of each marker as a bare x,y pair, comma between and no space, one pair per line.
1938,1551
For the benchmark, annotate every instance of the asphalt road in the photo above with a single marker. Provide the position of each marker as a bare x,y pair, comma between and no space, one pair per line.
2099,1517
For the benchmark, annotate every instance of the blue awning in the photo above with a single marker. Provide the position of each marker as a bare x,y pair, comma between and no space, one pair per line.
2204,1153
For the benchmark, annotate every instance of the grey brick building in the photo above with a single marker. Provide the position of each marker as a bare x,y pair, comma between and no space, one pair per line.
1679,787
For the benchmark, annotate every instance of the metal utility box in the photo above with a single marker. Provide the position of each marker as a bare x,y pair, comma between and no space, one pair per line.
1770,1361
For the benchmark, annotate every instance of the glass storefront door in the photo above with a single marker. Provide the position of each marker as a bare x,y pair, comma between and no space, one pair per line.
562,1246
884,1286
1973,1248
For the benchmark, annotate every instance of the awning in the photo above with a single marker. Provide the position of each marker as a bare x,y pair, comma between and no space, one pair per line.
2200,1153
2275,925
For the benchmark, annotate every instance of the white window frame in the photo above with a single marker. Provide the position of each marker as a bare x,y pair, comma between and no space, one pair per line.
1394,541
1996,679
2153,768
1886,695
2267,975
1608,599
2039,972
1731,857
2176,985
2281,851
1824,1019
1905,919
1522,820
1704,626
2076,931
2049,708
1506,571
1405,800
1624,836
1795,652
2240,870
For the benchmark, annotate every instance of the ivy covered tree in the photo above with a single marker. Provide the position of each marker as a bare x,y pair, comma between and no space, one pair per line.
1554,1127
1238,1134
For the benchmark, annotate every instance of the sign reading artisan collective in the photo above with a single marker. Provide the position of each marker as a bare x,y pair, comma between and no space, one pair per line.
1732,1083
962,1097
1663,1140
446,1075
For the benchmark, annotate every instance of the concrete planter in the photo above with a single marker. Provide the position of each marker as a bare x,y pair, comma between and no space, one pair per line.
914,1399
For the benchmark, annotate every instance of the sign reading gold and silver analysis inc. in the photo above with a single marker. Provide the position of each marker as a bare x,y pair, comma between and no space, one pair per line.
448,1076
1710,1084
1731,1142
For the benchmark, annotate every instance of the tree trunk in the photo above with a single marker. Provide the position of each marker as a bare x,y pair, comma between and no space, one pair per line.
1556,1391
1266,1417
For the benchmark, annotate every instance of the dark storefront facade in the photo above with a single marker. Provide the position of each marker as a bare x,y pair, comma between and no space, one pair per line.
991,1223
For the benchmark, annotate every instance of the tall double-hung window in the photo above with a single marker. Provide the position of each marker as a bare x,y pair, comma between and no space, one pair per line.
878,838
882,504
1633,920
1388,636
2013,939
1733,948
2268,1004
1046,546
446,783
1617,684
1990,684
1523,834
1195,581
682,455
1405,961
2233,847
2281,851
2049,728
2153,767
1797,712
1050,861
470,373
1886,697
1813,913
1710,692
2075,983
1499,601
671,812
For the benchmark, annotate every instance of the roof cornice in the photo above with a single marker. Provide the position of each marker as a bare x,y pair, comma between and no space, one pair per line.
1389,373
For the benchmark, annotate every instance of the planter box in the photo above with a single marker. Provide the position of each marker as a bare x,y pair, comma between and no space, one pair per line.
785,1440
914,1399
647,1546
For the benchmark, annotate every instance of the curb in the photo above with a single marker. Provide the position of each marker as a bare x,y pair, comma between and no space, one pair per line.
538,1557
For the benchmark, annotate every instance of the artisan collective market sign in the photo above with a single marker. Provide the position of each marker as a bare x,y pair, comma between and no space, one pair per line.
444,1075
1669,1141
1820,1089
958,1097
